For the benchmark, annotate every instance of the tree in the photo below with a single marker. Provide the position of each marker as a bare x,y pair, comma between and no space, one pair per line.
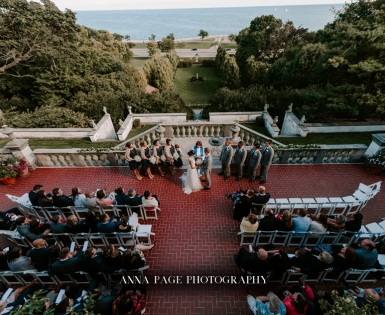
127,37
152,37
220,57
171,36
152,47
29,29
118,37
174,60
232,37
230,72
159,72
180,44
203,34
166,45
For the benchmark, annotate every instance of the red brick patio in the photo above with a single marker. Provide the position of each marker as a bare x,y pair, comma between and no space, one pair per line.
195,233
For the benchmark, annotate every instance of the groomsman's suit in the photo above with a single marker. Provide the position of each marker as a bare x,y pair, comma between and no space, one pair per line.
239,158
206,168
254,160
225,157
267,158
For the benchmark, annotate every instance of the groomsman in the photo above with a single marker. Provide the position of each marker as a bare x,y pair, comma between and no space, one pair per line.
206,168
239,158
225,157
267,158
254,160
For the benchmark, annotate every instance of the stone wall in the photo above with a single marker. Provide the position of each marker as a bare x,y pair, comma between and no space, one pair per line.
292,126
158,118
65,133
125,128
345,127
234,116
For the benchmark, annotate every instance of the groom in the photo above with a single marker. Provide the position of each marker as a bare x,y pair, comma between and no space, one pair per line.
206,168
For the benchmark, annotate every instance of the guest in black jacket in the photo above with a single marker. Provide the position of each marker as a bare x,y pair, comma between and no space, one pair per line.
39,254
257,262
68,262
261,197
75,226
91,221
93,262
345,257
60,200
43,200
133,199
120,196
33,195
354,223
314,264
268,221
242,203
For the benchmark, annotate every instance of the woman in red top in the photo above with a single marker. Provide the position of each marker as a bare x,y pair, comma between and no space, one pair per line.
129,303
297,303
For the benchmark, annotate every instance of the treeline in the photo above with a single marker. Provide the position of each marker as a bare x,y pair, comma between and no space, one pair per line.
56,73
335,72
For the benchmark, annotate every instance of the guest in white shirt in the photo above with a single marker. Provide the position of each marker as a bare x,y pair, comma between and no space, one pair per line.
319,223
148,201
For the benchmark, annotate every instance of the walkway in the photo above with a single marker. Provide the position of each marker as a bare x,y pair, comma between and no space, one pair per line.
195,234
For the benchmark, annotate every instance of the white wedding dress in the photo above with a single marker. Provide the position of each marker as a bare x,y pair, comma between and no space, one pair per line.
190,179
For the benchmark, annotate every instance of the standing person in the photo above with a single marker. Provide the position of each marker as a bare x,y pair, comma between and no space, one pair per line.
190,179
131,152
169,151
267,158
239,158
199,154
145,155
157,152
225,157
254,160
178,162
206,167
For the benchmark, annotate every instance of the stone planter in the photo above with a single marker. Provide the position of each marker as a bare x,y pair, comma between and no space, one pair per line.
7,181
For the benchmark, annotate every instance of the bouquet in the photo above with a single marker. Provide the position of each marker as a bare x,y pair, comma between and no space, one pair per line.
152,160
137,158
198,162
175,156
163,158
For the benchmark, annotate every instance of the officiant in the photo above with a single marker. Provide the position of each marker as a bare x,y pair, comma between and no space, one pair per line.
199,153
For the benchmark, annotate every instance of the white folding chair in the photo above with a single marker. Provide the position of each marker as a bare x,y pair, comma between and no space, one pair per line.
332,275
265,237
313,239
295,239
113,239
44,278
311,205
290,274
248,238
354,275
10,278
150,213
280,238
138,210
128,239
64,279
144,231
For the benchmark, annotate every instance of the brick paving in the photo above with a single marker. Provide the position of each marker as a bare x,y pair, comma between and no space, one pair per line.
195,233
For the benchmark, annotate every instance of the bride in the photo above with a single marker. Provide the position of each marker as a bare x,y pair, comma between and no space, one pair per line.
190,179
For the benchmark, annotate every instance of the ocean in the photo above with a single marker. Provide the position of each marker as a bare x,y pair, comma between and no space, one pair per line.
186,23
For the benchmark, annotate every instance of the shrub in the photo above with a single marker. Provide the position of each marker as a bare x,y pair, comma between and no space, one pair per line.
136,123
259,121
185,63
208,63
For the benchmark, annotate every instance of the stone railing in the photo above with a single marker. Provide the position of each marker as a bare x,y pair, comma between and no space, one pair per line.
75,158
249,136
351,153
149,136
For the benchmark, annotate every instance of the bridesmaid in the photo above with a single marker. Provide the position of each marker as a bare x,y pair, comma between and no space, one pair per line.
131,152
178,162
157,152
145,154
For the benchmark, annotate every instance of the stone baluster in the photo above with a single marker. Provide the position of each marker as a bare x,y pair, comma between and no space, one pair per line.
44,160
120,159
177,131
153,136
205,131
252,140
188,132
201,131
69,160
95,159
212,131
285,156
148,139
194,131
183,131
55,161
160,131
89,160
247,138
218,131
111,157
62,160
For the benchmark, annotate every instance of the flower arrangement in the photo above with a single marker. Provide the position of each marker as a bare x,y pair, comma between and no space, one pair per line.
137,158
23,165
378,159
163,158
198,162
11,167
175,156
152,159
8,171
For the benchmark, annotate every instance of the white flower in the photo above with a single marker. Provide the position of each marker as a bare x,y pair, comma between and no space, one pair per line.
198,162
175,156
152,159
163,158
137,158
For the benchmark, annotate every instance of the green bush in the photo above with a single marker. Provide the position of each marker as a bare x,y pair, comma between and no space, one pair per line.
136,123
185,63
259,121
208,63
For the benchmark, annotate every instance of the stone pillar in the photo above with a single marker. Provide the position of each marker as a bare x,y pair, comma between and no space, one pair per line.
8,131
378,143
21,149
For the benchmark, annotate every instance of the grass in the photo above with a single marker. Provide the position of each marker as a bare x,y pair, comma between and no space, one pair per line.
200,44
321,138
75,143
231,45
137,62
196,92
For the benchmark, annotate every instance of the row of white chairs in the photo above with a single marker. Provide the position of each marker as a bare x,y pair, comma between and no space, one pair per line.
303,239
333,205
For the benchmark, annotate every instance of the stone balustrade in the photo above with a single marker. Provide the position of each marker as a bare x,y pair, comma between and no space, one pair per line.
250,136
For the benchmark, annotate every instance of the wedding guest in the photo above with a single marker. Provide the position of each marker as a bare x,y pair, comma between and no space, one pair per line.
267,223
354,223
75,226
297,303
148,201
37,227
56,226
108,224
77,197
131,153
120,196
33,195
102,200
91,222
178,162
131,302
336,225
24,230
249,223
199,153
240,158
302,222
266,160
169,151
262,197
258,306
254,160
226,157
17,262
124,227
60,200
133,200
90,201
145,155
43,200
369,254
242,203
313,264
319,223
54,254
284,222
157,153
134,259
345,257
112,257
39,254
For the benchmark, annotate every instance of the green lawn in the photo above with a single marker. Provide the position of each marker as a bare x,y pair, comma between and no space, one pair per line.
322,138
231,45
196,92
137,62
140,45
200,44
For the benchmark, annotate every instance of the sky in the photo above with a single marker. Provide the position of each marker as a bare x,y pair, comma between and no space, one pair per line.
78,5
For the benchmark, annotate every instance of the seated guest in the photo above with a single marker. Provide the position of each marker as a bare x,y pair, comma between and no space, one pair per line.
267,223
148,201
112,257
284,222
302,222
68,306
107,224
56,226
8,219
133,199
120,196
337,225
43,200
90,201
345,257
354,223
257,261
297,303
91,221
60,200
102,201
131,302
37,227
17,262
77,197
123,226
134,259
93,262
258,306
17,298
261,197
369,254
23,229
67,263
39,254
33,195
249,223
298,259
242,203
319,223
314,264
75,226
54,254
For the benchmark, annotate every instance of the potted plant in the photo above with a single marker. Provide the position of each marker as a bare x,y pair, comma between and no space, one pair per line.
22,167
8,174
376,162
